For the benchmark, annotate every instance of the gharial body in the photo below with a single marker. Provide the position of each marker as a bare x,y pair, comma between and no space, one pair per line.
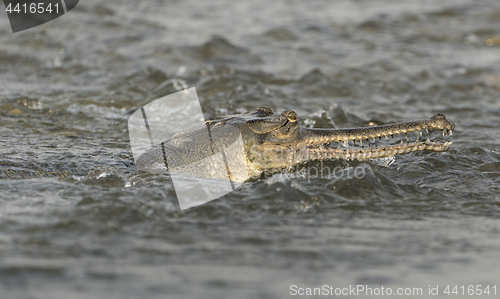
254,142
266,141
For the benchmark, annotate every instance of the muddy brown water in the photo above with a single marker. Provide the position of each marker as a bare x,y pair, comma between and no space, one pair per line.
68,87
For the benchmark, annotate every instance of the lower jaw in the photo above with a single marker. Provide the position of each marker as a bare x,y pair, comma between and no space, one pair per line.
374,153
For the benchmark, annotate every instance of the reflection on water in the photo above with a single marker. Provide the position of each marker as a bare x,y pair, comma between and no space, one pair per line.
68,87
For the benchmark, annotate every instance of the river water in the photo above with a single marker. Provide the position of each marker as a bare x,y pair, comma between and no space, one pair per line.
68,87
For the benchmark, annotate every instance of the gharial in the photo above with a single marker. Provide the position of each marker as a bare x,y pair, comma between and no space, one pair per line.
264,142
275,141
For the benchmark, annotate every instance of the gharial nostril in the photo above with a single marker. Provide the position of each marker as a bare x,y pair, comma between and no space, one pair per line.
438,116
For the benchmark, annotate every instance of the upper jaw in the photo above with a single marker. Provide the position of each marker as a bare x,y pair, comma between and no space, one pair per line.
314,140
322,136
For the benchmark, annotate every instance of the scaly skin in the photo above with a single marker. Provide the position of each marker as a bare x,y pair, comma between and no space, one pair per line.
272,142
269,142
314,136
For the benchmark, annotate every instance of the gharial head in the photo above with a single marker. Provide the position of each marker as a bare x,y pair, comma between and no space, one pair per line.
276,140
266,134
262,126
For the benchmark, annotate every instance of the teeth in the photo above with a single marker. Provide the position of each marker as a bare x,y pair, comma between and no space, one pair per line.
426,131
442,132
420,133
373,139
451,132
427,141
386,138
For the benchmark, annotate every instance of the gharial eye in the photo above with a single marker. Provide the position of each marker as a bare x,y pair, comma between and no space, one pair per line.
292,116
265,109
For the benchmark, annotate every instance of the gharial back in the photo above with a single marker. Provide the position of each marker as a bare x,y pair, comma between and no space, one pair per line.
202,151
